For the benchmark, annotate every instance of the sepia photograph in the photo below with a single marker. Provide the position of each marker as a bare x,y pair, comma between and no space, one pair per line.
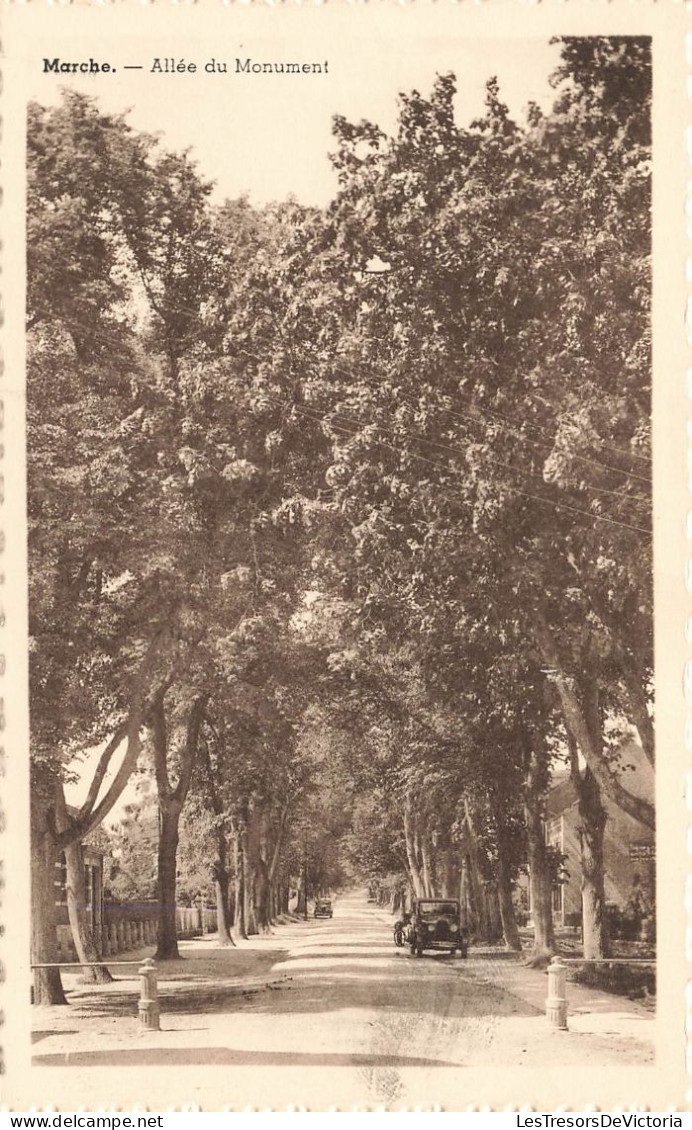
340,562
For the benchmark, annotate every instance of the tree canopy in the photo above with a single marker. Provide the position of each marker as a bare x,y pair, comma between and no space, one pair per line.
344,515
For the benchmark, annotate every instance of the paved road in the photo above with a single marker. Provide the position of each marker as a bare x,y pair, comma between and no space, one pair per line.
325,1011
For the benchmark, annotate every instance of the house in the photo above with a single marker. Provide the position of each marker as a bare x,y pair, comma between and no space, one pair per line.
629,848
94,854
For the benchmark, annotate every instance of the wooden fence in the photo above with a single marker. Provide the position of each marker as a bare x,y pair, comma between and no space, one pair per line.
131,926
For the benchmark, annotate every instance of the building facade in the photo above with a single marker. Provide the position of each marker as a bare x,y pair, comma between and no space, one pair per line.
629,848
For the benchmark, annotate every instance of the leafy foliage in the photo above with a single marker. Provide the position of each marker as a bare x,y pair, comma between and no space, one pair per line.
367,488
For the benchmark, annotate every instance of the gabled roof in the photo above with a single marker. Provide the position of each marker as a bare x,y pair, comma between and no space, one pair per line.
636,774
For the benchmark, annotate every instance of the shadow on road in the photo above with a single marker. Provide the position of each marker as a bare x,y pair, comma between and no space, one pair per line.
210,1057
346,986
219,981
36,1037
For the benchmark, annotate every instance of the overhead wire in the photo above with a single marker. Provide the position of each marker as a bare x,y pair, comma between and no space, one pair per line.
449,470
556,505
494,413
459,451
502,416
466,416
526,439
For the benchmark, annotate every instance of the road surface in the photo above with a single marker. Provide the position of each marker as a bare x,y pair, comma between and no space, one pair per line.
319,1012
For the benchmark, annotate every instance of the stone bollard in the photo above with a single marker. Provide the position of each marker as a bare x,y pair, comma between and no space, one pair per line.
148,996
556,1003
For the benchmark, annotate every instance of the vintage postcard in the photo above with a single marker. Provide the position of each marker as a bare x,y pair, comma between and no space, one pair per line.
344,540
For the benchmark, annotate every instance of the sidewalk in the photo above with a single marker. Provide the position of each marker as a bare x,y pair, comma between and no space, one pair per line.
590,1012
308,1003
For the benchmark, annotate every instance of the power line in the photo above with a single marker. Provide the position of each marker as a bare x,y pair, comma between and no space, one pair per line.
491,459
544,431
457,451
449,470
509,419
525,439
461,416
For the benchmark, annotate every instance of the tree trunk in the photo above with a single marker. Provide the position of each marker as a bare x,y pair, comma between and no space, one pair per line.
640,710
465,895
44,858
541,897
428,880
251,923
262,876
221,885
95,973
273,864
593,819
510,930
450,872
250,871
171,801
576,711
47,842
540,878
482,925
301,897
220,867
492,912
240,925
169,818
414,872
263,900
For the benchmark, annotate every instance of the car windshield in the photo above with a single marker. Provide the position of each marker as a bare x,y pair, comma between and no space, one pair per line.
435,908
325,904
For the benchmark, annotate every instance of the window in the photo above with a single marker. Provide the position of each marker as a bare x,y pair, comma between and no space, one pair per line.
89,885
557,899
60,882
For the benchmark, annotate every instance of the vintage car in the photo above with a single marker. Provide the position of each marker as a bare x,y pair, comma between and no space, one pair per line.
436,925
323,908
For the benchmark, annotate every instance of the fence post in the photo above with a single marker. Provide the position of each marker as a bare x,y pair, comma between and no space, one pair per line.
148,996
556,1003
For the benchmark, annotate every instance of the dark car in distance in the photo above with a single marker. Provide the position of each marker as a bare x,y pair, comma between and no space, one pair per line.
323,908
436,925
